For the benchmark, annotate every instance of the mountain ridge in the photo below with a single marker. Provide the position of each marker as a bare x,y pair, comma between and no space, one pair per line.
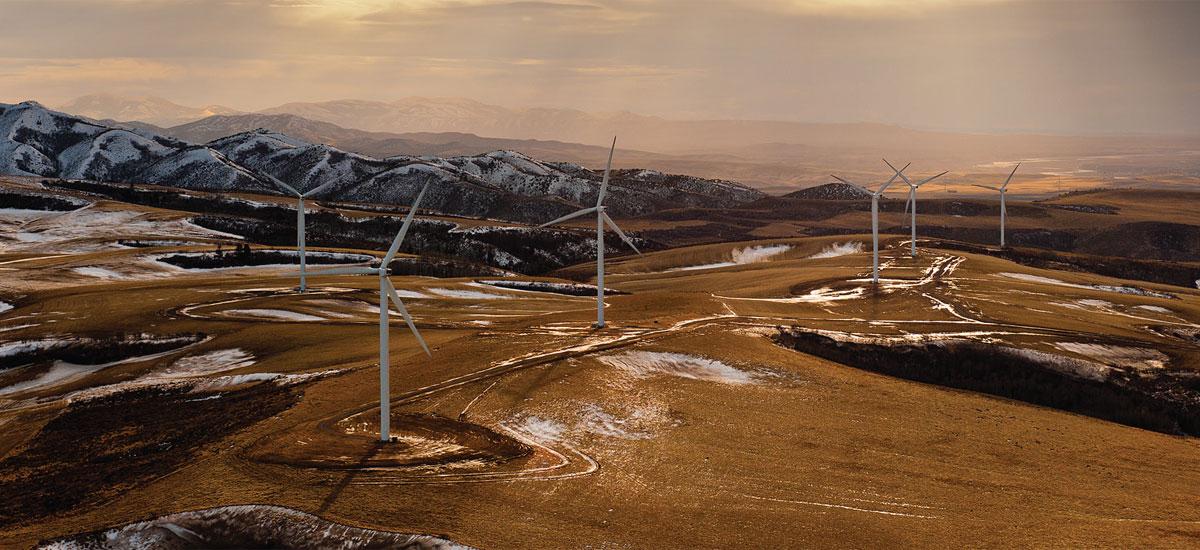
38,141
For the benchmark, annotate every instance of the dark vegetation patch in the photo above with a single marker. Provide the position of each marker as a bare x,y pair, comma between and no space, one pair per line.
32,201
442,268
1163,272
1145,240
247,526
567,289
91,351
694,234
1155,402
140,243
523,250
1040,238
243,255
836,191
100,448
1087,208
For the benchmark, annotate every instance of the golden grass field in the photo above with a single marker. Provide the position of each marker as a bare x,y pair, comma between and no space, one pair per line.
681,424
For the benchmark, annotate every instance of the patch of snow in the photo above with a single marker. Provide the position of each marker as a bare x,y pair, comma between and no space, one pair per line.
99,273
838,249
280,314
1156,309
1131,290
466,294
206,363
544,287
742,256
595,420
755,254
1079,368
542,429
9,349
5,306
80,230
62,371
650,363
702,266
821,295
1119,356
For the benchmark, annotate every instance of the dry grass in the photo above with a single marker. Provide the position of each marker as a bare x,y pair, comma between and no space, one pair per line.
810,453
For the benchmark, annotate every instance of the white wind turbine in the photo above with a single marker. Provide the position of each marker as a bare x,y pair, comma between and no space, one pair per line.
299,222
1003,189
387,292
912,201
875,218
601,219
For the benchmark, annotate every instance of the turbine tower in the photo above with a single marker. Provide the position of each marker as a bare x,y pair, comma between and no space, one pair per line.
912,201
601,219
387,293
1003,189
299,222
875,218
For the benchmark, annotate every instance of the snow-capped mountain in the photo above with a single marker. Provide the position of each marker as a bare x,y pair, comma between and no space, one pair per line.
36,141
503,184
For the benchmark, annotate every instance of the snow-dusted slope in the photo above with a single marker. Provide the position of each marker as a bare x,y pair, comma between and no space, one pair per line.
503,184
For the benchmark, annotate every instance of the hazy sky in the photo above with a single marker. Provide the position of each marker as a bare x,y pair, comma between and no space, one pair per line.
1078,66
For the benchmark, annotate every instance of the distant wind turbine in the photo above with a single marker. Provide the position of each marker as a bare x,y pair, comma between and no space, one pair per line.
387,292
601,219
912,201
875,218
1003,189
299,222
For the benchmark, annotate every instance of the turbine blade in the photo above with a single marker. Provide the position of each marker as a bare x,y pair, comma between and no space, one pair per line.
387,258
607,167
986,187
929,179
344,271
848,182
316,189
279,183
570,216
1010,175
625,238
901,172
391,290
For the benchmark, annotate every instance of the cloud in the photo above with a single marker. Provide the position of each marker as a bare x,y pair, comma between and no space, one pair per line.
98,71
983,65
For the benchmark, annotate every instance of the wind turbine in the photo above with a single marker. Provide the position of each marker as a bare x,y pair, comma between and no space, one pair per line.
299,222
601,219
387,292
912,201
875,218
1003,189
